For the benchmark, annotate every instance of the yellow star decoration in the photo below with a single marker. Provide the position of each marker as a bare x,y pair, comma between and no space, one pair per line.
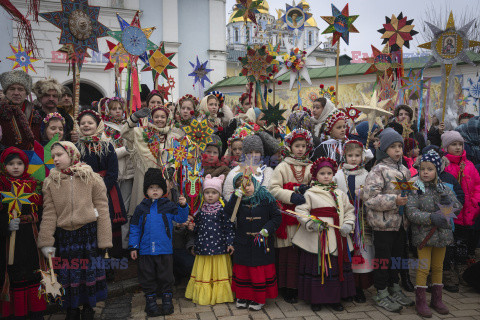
373,109
22,59
447,211
449,45
16,198
404,185
199,133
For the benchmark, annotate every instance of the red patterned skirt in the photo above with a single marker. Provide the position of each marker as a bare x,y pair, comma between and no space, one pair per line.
255,283
24,300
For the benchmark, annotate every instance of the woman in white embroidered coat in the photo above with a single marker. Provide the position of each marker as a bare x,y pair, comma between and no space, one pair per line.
289,179
325,205
147,145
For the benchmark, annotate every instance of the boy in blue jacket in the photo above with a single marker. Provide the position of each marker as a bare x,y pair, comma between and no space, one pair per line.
151,241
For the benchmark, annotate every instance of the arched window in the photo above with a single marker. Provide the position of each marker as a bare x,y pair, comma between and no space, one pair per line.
236,35
310,39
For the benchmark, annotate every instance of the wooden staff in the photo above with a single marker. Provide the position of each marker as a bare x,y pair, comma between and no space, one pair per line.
76,88
302,215
11,251
445,98
338,68
52,272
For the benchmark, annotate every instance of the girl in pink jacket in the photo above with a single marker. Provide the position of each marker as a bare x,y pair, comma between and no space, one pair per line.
469,178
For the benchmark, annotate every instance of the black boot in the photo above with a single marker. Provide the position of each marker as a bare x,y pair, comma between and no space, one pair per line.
167,305
151,307
73,314
87,312
360,296
406,283
291,295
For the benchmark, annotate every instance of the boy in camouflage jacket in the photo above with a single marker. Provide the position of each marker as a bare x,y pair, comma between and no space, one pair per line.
383,215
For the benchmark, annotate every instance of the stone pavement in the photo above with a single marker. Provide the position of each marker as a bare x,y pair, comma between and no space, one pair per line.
463,305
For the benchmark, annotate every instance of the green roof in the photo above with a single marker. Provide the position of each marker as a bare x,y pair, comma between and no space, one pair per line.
344,70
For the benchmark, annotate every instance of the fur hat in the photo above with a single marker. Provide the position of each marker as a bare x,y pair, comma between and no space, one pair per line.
66,91
323,162
214,183
41,87
154,176
16,77
388,137
252,143
449,137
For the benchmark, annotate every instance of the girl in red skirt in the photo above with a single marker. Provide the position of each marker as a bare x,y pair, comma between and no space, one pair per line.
325,269
293,173
254,276
20,281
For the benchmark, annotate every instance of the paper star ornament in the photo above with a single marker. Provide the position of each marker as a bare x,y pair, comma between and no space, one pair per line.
199,133
373,109
179,152
160,62
397,32
16,198
200,72
79,25
257,65
40,159
116,56
247,9
413,83
273,114
404,185
295,17
446,211
387,92
22,59
340,24
381,62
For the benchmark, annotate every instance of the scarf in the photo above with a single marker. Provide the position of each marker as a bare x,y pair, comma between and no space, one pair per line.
259,196
330,188
286,153
94,143
211,208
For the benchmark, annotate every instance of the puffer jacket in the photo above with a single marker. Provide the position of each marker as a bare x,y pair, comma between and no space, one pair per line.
380,196
470,182
419,207
151,226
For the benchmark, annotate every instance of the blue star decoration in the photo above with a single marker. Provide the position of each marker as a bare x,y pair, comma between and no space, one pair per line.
473,90
200,72
295,17
340,24
79,25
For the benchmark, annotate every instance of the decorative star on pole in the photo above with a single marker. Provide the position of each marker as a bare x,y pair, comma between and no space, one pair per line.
133,39
447,211
273,114
387,92
257,64
22,59
200,72
414,83
381,62
116,57
160,62
247,9
295,17
40,159
397,32
406,187
340,24
373,109
79,25
199,133
16,198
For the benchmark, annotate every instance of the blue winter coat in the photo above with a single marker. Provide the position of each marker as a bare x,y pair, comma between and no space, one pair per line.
151,226
213,233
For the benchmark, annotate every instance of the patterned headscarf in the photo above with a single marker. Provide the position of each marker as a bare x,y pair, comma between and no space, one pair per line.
72,152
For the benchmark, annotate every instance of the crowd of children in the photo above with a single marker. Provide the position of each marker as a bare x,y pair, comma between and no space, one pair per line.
320,213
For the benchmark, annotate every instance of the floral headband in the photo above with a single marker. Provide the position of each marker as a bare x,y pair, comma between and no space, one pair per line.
240,133
299,134
53,115
333,119
189,97
220,96
323,162
93,113
163,108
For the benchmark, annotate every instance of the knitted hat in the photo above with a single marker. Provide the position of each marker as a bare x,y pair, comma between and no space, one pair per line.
449,137
270,144
433,157
217,142
252,143
154,176
323,162
333,119
214,183
16,77
388,137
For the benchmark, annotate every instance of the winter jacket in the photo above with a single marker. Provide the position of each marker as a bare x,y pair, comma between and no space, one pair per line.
419,207
69,202
470,182
282,175
263,176
408,162
350,182
151,226
449,180
380,196
142,156
319,197
434,136
331,148
126,165
251,220
213,233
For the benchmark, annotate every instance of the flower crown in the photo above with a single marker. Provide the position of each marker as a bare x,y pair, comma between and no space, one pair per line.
115,99
316,166
163,108
328,93
299,133
220,96
90,112
189,97
332,119
54,115
240,133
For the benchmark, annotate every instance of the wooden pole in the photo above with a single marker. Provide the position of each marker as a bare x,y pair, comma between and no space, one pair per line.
76,88
11,251
338,68
445,98
52,272
273,98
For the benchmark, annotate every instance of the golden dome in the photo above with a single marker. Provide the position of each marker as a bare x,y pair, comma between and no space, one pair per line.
262,8
306,7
